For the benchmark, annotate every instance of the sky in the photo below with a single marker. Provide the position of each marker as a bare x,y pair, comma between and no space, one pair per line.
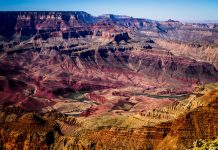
183,10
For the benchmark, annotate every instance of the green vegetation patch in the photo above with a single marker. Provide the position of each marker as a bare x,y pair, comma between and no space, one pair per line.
206,145
182,96
79,95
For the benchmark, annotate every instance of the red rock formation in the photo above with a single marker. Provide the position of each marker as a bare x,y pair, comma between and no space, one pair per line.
49,59
96,98
45,133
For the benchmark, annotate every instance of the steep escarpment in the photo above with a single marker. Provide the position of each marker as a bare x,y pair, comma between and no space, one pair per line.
78,24
106,64
69,80
50,76
199,122
179,134
51,130
202,51
27,24
28,130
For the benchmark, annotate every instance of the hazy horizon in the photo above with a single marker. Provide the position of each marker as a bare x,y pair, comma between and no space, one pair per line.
182,10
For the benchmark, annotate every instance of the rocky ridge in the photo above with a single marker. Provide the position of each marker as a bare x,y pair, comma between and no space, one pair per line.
74,81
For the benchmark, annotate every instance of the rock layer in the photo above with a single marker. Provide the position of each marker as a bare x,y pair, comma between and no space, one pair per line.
69,80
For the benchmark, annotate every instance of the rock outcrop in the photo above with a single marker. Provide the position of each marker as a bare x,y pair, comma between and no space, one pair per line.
69,80
51,130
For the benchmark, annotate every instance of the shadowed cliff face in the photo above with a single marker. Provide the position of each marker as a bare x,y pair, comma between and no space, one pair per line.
55,131
71,80
77,24
49,74
28,130
27,24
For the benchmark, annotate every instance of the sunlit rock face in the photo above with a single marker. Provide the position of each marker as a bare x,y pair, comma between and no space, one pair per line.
83,81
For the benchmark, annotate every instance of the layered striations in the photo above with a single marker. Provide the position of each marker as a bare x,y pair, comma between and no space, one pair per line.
71,80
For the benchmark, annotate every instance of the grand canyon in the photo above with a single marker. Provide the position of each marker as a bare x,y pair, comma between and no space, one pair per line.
70,80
